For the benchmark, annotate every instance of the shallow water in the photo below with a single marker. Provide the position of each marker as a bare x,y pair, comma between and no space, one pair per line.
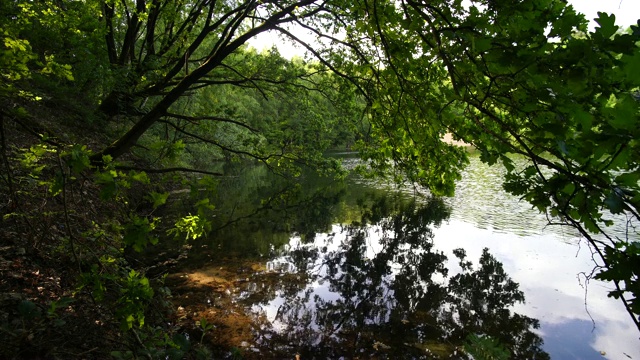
361,269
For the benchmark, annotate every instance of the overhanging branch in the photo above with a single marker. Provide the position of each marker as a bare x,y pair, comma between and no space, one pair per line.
168,170
194,119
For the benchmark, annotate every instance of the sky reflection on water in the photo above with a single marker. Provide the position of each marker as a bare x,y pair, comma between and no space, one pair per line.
549,262
548,270
382,279
380,289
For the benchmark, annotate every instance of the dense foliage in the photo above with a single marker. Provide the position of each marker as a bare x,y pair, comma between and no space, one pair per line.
114,92
525,79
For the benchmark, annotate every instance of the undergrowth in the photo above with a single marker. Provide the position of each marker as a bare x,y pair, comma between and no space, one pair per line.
74,283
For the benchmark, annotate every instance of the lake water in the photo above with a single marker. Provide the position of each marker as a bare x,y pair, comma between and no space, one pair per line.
360,269
548,262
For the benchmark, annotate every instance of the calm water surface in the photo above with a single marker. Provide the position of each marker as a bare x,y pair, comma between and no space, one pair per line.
362,269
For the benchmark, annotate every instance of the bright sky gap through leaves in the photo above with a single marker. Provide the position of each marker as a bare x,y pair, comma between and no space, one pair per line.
627,13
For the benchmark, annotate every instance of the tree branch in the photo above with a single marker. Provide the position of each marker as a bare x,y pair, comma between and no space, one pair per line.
194,119
168,170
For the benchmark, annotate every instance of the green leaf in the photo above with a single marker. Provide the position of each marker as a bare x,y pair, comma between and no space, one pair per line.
590,225
28,310
137,233
631,180
140,177
487,157
175,354
59,304
158,199
624,113
482,44
614,203
508,163
78,158
569,189
607,25
109,185
182,342
55,187
632,67
129,321
584,118
563,147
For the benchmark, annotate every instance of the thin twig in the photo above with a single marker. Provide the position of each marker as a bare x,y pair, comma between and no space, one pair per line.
135,334
66,212
586,292
4,157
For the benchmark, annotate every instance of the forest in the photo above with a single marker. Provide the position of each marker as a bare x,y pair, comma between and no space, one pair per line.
108,109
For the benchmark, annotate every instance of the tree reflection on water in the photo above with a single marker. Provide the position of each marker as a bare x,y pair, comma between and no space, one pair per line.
378,289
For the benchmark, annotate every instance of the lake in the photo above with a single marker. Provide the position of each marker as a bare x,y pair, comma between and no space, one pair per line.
363,269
